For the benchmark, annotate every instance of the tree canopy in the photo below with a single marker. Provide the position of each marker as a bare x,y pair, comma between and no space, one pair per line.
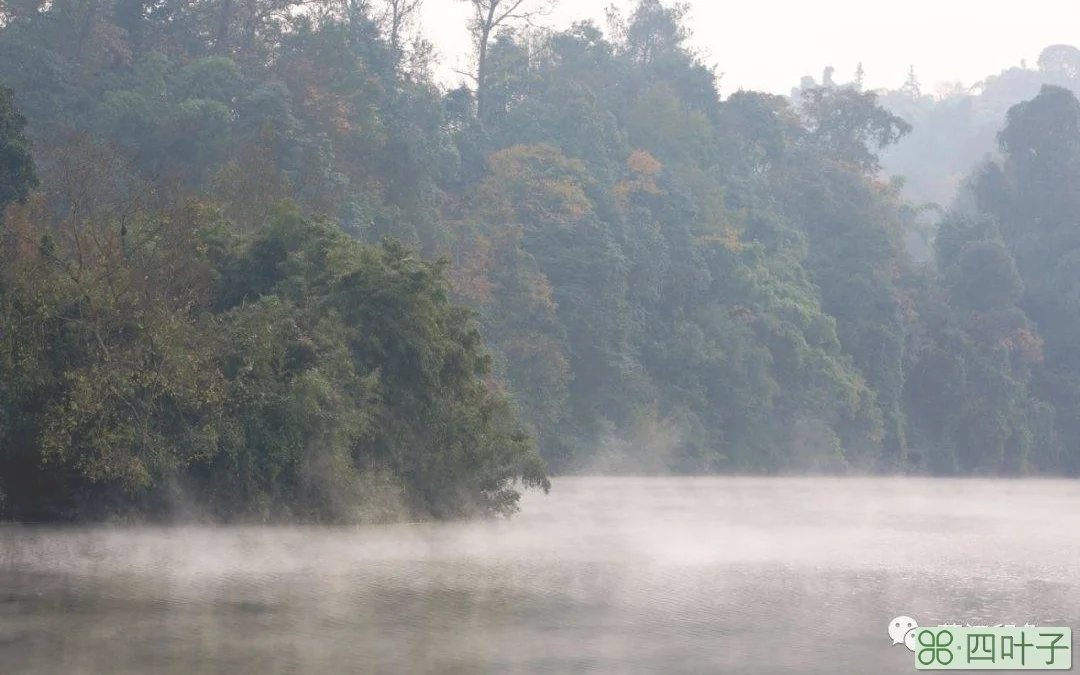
257,265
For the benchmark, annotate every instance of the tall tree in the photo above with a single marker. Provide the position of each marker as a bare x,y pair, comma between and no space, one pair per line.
1032,194
1061,60
912,86
17,176
397,18
488,17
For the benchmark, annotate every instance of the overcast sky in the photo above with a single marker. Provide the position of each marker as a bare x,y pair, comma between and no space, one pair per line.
768,44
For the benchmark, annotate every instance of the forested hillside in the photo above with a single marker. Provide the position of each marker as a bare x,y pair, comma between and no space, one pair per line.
257,265
955,127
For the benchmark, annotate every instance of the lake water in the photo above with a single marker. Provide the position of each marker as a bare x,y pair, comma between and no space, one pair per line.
605,575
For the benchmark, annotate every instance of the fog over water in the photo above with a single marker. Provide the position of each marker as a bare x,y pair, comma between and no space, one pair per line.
604,575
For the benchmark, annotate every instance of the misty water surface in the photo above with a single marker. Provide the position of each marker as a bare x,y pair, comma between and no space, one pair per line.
604,575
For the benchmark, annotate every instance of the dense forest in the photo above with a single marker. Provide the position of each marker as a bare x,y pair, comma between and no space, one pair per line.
257,266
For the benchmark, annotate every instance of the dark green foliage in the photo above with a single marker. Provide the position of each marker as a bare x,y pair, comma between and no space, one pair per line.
1031,195
969,394
328,381
17,176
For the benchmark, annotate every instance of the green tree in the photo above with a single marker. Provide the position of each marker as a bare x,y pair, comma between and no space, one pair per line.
1030,194
17,175
488,17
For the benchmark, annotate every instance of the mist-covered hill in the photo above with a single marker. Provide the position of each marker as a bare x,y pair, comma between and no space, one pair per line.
955,126
221,290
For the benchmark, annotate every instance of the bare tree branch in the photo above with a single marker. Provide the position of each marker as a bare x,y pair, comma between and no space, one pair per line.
491,15
465,73
397,18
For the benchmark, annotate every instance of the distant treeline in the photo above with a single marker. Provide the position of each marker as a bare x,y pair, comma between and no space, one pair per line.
257,266
956,126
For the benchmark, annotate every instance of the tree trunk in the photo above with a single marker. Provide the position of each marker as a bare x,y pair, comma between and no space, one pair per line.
481,73
222,38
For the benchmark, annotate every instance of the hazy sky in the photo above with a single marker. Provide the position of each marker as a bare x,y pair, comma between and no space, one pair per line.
768,45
